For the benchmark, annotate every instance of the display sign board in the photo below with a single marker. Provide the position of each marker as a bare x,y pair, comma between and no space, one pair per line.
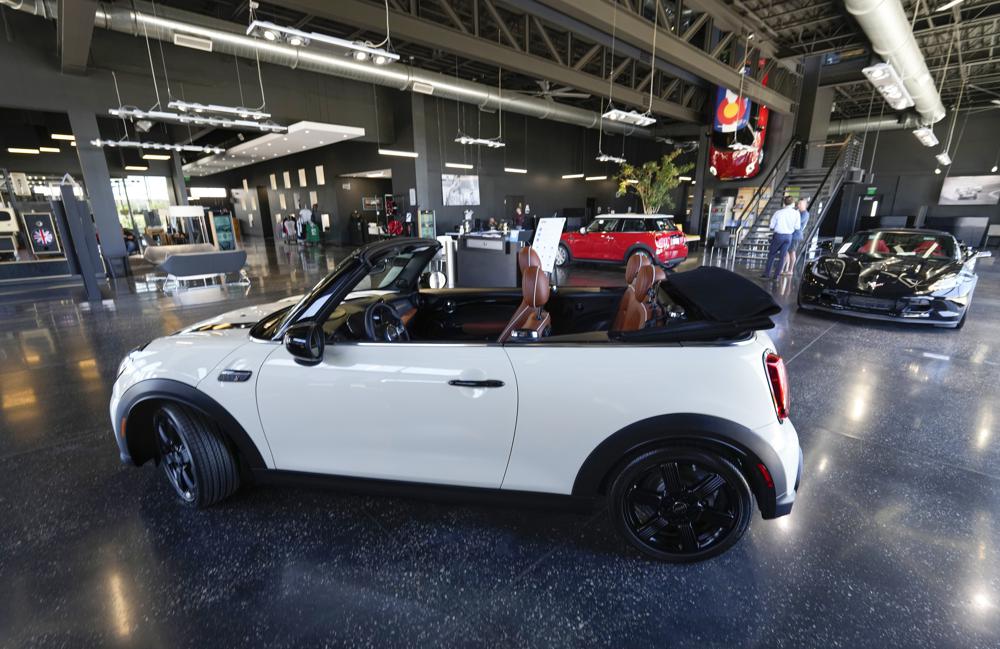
427,224
546,242
42,233
970,190
222,227
369,203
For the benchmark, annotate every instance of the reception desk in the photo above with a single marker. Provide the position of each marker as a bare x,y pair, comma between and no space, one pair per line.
486,259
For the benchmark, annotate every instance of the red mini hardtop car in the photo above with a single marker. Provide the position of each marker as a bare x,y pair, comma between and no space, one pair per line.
614,237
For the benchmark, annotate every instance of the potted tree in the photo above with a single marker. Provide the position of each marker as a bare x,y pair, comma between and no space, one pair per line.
653,181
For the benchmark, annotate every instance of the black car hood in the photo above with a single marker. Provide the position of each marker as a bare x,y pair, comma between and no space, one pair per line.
883,276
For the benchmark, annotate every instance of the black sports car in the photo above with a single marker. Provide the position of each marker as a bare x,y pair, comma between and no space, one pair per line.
906,275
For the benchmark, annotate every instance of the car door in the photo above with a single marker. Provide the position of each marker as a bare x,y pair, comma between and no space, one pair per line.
424,412
632,231
606,240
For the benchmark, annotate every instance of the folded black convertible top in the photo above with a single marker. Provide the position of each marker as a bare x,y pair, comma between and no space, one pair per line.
720,304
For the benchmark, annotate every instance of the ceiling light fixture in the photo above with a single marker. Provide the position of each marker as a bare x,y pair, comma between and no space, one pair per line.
16,149
572,176
458,165
136,167
131,144
49,149
398,153
515,170
993,169
63,136
360,50
889,84
596,178
937,170
926,136
948,5
196,119
943,158
604,157
480,141
684,179
630,117
155,156
240,111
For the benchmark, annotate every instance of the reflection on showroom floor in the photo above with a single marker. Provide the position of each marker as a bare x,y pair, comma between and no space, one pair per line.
892,542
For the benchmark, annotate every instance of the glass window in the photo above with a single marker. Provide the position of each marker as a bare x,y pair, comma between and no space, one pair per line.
660,225
136,196
603,225
634,225
902,244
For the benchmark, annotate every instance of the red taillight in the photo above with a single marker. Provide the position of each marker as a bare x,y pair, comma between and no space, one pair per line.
778,378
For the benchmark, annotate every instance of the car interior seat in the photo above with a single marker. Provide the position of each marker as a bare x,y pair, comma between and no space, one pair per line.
635,262
531,320
527,257
637,312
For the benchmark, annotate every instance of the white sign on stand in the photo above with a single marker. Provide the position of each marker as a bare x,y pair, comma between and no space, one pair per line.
546,242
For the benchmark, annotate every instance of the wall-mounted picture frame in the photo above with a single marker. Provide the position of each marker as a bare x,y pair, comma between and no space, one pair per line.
970,190
42,234
460,189
369,203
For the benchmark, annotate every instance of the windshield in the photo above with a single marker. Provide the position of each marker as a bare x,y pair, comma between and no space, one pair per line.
603,225
385,275
901,244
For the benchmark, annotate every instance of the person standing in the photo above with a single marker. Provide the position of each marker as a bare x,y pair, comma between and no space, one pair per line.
305,217
784,223
803,207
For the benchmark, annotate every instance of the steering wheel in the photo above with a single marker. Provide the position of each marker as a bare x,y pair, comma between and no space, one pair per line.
382,324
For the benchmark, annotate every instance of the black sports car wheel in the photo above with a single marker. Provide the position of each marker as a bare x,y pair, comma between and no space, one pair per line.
681,505
194,456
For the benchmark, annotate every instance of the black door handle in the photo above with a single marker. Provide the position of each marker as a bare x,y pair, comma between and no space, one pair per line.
488,383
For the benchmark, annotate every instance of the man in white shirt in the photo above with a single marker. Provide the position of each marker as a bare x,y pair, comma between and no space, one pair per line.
784,223
305,216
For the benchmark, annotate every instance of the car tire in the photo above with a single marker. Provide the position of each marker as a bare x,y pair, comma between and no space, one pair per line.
563,256
680,504
194,456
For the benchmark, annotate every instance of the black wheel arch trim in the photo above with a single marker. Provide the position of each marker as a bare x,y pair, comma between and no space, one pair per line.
689,429
153,390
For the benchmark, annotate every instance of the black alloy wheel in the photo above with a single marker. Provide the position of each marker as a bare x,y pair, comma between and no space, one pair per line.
175,456
194,455
681,505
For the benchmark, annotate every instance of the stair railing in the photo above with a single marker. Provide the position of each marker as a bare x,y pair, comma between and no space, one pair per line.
848,155
751,211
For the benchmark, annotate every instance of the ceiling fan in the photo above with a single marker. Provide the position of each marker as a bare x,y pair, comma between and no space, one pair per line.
550,93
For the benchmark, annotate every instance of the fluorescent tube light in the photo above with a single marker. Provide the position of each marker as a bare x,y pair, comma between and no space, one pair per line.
515,170
684,179
943,158
15,149
596,178
155,156
207,192
948,5
377,174
572,176
401,154
132,144
197,119
458,165
49,149
63,136
630,117
926,136
193,42
604,157
136,167
889,84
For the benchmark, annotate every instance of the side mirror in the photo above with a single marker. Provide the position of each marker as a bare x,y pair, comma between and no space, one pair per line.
305,341
583,230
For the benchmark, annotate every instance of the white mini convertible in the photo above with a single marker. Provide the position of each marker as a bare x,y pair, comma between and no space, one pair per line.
665,398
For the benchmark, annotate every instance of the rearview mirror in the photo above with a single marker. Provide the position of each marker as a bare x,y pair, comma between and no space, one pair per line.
305,341
583,230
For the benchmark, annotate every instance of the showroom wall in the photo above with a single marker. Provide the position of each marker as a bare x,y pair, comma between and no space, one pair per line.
904,169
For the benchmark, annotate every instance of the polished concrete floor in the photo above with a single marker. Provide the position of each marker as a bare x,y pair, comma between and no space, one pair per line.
893,541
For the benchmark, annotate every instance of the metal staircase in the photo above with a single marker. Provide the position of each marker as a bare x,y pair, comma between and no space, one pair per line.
819,186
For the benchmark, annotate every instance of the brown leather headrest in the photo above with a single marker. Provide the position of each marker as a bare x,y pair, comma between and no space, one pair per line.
535,287
644,281
635,262
527,257
659,274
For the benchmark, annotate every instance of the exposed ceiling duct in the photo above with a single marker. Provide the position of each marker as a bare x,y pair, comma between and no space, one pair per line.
228,38
863,124
886,25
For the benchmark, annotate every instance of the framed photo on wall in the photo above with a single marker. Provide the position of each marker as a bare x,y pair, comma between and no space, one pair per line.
460,190
369,203
970,190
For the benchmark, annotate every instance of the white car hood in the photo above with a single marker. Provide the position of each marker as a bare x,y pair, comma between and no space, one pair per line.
244,316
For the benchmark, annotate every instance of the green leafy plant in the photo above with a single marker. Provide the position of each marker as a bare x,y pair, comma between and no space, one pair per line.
653,181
